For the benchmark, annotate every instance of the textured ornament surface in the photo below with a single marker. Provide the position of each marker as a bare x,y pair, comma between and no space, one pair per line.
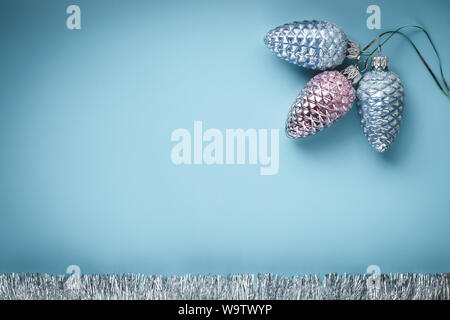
324,100
313,44
380,106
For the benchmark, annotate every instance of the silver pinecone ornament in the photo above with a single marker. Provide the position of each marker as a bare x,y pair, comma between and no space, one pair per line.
317,45
380,104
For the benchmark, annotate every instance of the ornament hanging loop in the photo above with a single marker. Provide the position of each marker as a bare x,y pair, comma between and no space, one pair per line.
380,51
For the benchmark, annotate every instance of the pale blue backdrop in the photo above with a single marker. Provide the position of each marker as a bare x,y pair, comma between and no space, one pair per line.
86,117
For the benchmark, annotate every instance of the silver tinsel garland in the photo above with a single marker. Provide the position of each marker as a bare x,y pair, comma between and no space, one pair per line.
233,287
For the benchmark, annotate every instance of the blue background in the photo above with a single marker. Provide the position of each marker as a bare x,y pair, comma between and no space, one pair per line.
86,118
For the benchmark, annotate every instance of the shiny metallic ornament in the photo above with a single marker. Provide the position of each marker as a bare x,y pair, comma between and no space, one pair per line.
380,104
317,45
326,98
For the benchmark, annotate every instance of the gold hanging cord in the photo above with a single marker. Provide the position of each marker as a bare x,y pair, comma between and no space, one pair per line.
391,33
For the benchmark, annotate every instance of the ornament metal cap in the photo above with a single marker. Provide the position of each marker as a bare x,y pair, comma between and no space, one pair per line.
353,50
352,74
379,62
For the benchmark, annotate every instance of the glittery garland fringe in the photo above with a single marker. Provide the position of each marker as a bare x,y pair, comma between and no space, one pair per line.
243,287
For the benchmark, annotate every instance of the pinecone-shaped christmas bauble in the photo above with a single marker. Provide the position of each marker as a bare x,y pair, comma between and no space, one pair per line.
380,104
312,44
325,99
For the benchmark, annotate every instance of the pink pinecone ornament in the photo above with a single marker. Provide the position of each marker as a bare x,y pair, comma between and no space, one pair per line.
326,98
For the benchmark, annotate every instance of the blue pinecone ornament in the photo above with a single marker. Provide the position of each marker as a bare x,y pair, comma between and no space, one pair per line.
317,45
380,104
